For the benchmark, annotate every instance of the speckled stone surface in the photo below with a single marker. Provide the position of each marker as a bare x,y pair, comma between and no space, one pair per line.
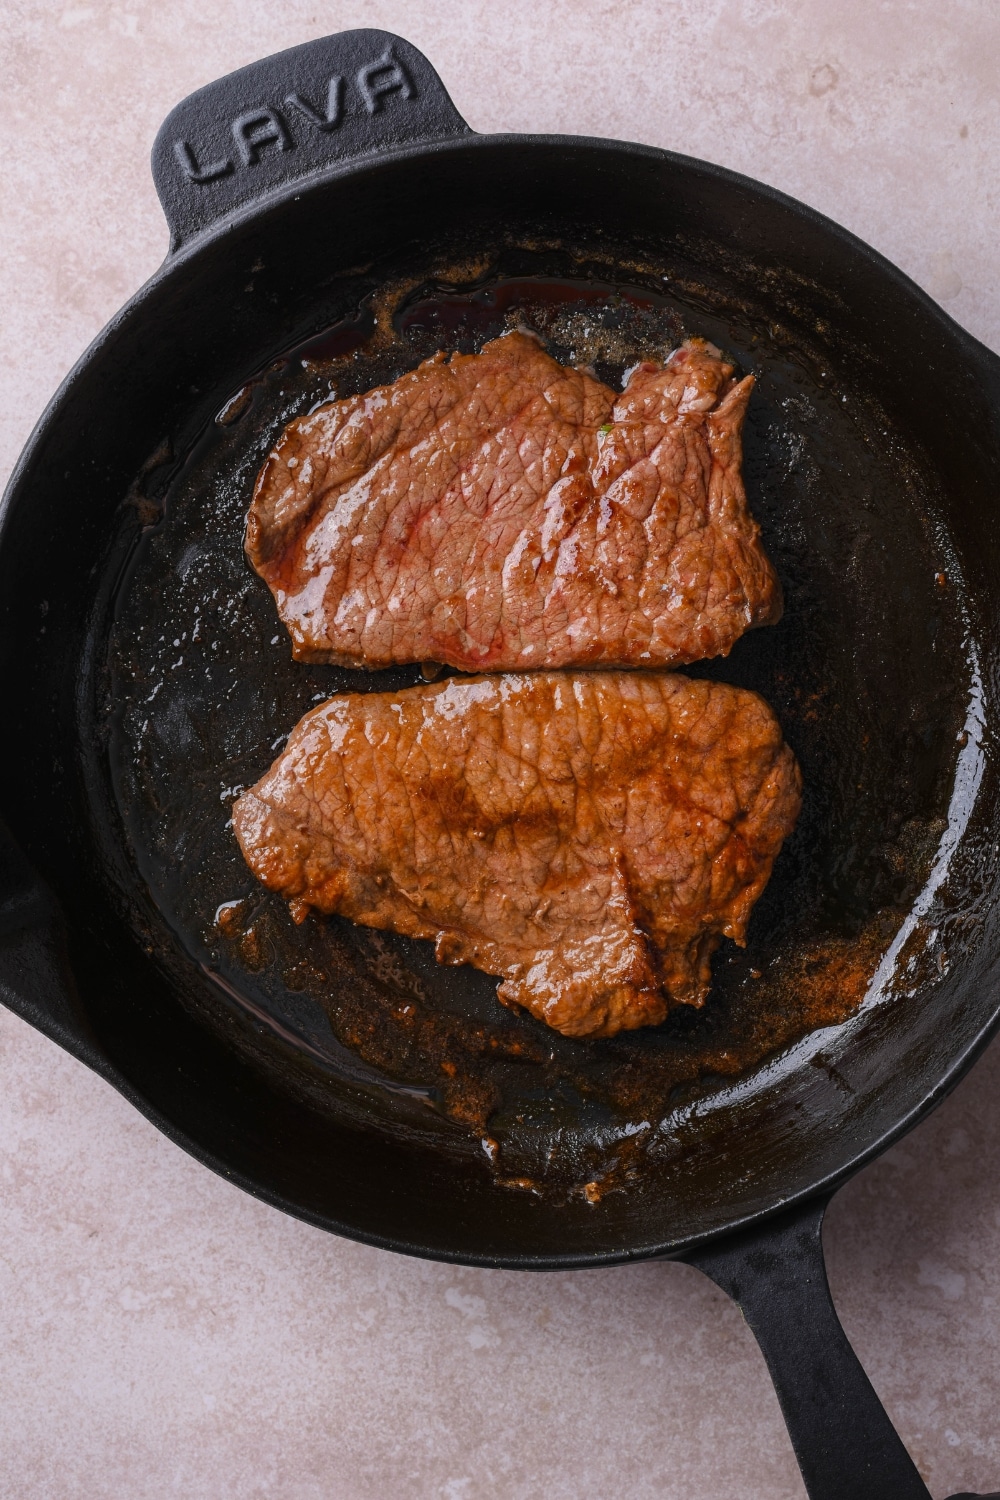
161,1334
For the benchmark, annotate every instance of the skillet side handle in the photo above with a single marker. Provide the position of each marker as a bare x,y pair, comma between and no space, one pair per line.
843,1439
35,978
286,117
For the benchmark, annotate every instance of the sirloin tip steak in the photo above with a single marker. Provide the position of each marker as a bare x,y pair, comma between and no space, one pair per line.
501,511
588,837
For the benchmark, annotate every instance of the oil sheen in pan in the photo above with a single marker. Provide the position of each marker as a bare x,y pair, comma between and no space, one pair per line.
205,693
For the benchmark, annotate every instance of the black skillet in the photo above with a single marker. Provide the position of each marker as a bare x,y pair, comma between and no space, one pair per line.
297,190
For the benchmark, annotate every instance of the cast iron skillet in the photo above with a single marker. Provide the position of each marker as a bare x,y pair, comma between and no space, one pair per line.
295,190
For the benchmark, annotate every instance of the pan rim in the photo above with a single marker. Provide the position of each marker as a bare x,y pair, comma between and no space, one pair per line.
823,1187
175,262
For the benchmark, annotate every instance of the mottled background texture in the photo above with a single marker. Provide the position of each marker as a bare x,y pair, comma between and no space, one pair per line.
161,1334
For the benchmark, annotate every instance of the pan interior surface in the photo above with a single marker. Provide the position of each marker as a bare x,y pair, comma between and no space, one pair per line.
363,1065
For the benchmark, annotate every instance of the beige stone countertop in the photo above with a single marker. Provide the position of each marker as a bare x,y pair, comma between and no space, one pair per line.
162,1334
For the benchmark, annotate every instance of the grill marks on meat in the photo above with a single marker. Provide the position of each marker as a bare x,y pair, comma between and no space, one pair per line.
588,837
501,511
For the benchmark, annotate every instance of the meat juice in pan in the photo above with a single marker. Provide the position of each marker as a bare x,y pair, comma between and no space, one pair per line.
202,692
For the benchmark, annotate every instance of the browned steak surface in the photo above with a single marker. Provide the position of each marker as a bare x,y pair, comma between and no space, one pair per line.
501,511
589,837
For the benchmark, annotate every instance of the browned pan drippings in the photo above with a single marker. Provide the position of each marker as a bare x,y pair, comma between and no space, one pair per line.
206,693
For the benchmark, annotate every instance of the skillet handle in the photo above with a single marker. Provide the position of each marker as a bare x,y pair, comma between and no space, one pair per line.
35,978
843,1439
258,130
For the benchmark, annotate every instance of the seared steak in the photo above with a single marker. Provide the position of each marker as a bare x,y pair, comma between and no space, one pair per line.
589,837
501,511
